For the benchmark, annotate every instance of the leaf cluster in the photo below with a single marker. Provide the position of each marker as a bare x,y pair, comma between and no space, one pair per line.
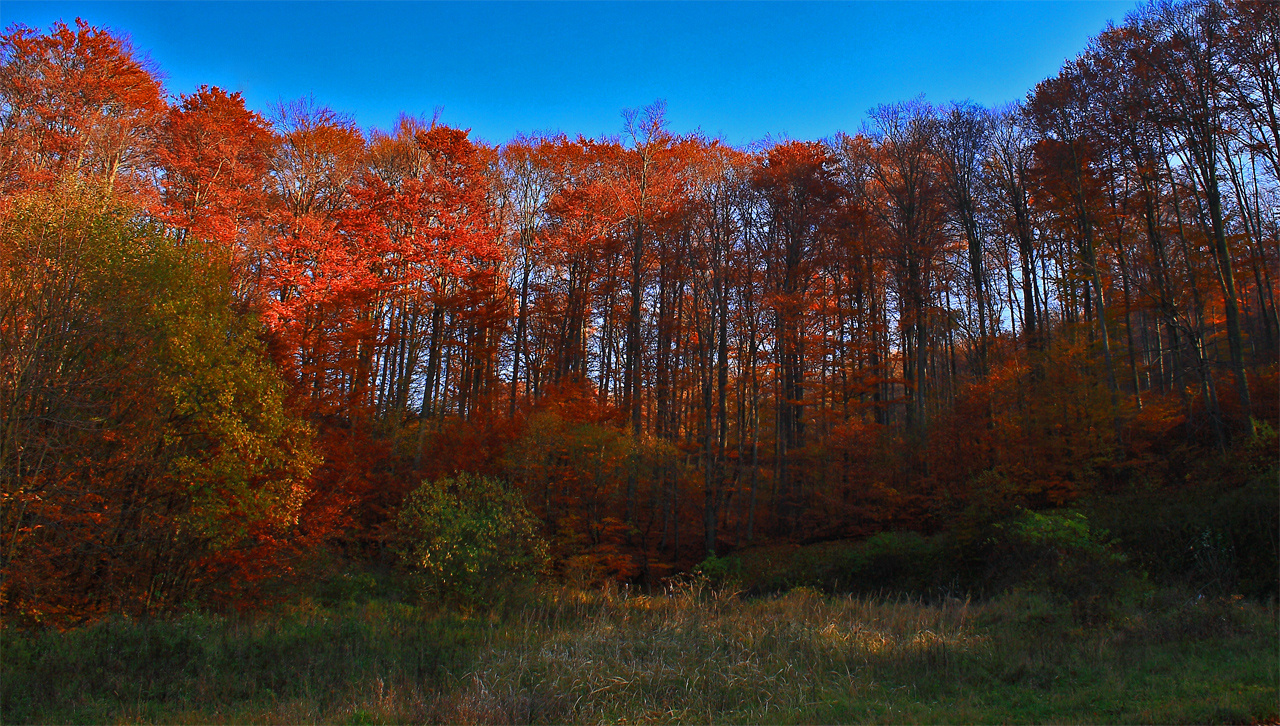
470,539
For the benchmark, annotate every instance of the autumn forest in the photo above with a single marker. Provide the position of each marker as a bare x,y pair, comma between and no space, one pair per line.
242,349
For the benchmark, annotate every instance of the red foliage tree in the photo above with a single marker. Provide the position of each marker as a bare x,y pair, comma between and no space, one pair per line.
79,103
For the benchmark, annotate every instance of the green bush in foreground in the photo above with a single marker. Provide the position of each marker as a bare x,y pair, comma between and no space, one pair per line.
469,539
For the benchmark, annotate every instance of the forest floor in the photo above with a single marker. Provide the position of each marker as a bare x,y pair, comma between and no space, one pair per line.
690,654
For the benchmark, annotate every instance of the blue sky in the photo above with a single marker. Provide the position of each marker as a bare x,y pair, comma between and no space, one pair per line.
743,71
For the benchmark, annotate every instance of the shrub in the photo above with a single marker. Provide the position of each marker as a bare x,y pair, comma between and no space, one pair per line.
902,561
720,571
469,539
1060,554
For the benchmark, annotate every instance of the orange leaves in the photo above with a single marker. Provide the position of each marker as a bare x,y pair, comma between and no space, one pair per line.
317,153
796,173
586,205
357,244
80,104
451,197
215,158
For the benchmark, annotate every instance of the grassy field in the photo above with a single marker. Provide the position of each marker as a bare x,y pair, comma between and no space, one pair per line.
688,654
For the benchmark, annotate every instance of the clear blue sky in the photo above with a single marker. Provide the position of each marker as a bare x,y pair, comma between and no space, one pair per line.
741,70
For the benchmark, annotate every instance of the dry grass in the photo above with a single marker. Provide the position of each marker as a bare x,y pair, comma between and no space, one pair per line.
693,655
687,655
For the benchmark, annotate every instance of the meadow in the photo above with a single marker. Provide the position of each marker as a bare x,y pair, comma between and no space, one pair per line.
690,653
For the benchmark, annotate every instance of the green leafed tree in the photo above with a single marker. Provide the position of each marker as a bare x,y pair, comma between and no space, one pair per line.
147,455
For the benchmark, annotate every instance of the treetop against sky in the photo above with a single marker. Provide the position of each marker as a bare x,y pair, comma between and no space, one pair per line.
744,71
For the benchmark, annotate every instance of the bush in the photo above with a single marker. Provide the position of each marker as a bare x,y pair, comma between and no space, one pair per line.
469,539
720,572
1061,555
901,561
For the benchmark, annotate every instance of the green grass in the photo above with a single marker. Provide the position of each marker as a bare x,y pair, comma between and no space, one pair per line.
689,654
304,667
